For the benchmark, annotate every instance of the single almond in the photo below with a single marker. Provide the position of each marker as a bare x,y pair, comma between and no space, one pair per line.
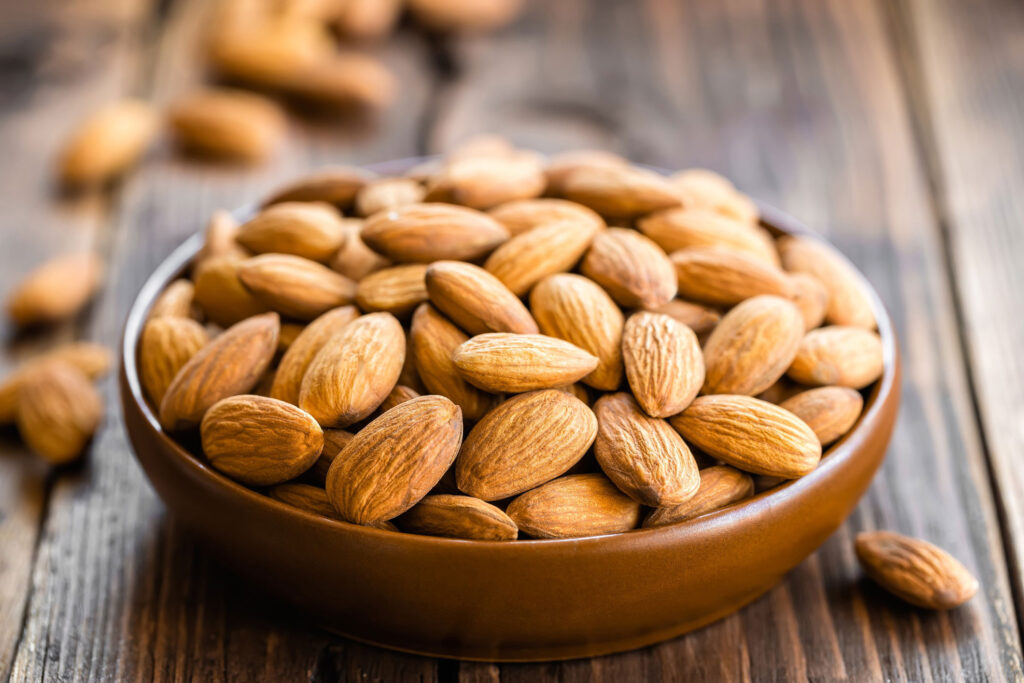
707,190
523,215
397,290
914,570
483,182
295,286
848,300
721,277
562,165
550,248
476,300
663,363
619,191
845,356
422,233
296,360
226,123
312,499
504,362
220,294
632,268
388,193
312,230
394,461
720,485
829,411
165,346
220,240
337,185
399,395
573,506
811,297
55,290
92,359
354,259
698,317
58,411
344,80
252,47
689,228
458,517
108,143
175,301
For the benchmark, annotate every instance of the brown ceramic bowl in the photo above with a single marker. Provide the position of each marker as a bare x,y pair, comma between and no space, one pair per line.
512,601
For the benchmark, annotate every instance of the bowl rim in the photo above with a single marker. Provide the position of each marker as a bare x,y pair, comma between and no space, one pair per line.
176,264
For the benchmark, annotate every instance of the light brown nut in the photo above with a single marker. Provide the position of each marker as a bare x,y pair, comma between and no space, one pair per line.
619,191
914,570
312,499
367,19
525,441
400,394
574,308
781,390
632,268
92,359
344,80
337,185
394,461
296,360
550,248
165,346
483,182
574,506
422,233
720,277
58,411
397,290
108,143
752,347
811,297
55,290
564,164
355,371
700,188
175,301
464,16
219,240
698,317
312,230
260,441
263,51
434,340
295,286
750,434
687,228
476,300
388,193
504,362
229,365
523,215
663,363
829,411
845,356
720,485
848,300
354,259
221,296
230,124
458,517
642,455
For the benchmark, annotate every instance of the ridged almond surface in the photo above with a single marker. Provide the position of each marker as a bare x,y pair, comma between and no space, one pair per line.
394,461
698,317
248,46
524,215
337,185
312,499
720,485
914,570
55,290
663,362
388,193
458,517
632,268
503,362
848,301
525,441
475,300
175,301
311,230
227,123
483,182
703,189
688,228
354,259
397,290
845,356
92,359
296,360
829,411
434,340
576,309
574,506
229,365
643,455
58,411
260,441
294,286
619,191
354,371
422,233
750,434
752,346
165,346
221,295
108,143
720,277
811,297
550,248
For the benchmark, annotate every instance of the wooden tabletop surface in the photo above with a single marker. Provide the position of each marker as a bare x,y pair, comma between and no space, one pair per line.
895,127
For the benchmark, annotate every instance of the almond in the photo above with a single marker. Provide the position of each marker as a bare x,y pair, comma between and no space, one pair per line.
58,411
642,455
914,570
354,372
564,164
752,347
354,259
530,256
689,228
523,215
395,460
811,297
303,350
632,268
525,441
263,51
220,240
503,362
750,434
720,277
165,346
92,359
55,290
229,365
703,189
221,295
698,317
312,499
848,300
231,124
720,485
574,308
845,356
311,230
388,193
337,185
476,300
619,191
483,182
574,506
175,301
829,411
397,290
458,517
663,363
295,286
344,80
288,334
422,233
400,394
108,143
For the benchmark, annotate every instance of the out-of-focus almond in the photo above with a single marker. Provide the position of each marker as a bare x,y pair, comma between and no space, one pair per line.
303,350
430,232
619,191
231,124
175,301
312,499
312,230
841,355
914,570
55,290
562,165
686,228
513,363
811,297
573,506
165,346
388,193
337,185
397,290
92,359
632,268
295,286
58,411
700,188
848,300
721,277
663,363
458,517
344,80
523,215
108,143
221,295
220,240
354,259
476,300
550,248
464,16
720,485
483,182
367,19
829,411
698,317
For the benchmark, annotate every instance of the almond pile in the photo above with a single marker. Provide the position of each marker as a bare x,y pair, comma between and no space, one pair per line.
499,345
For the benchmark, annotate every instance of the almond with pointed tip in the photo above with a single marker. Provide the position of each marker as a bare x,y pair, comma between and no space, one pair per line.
344,80
456,516
228,123
848,300
663,363
829,411
564,164
483,182
310,230
58,411
689,228
523,215
574,506
720,486
294,286
914,570
220,240
550,248
175,301
421,233
632,268
476,300
725,278
845,356
337,185
619,191
165,346
397,290
55,290
296,360
513,363
220,294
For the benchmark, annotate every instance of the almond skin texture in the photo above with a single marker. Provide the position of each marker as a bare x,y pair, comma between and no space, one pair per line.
752,347
525,441
260,441
698,317
848,301
550,248
355,371
434,340
296,360
619,191
574,506
58,411
483,182
388,193
475,300
914,570
685,228
720,485
221,295
514,363
108,143
55,290
811,297
632,268
165,346
227,123
310,230
337,185
642,455
421,233
394,461
526,214
663,363
750,434
295,286
312,499
397,290
458,517
829,411
175,301
229,365
724,278
574,308
845,356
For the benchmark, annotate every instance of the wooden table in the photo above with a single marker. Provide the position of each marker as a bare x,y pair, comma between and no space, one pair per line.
895,127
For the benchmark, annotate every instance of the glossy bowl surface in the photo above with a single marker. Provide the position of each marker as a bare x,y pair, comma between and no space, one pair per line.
513,601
